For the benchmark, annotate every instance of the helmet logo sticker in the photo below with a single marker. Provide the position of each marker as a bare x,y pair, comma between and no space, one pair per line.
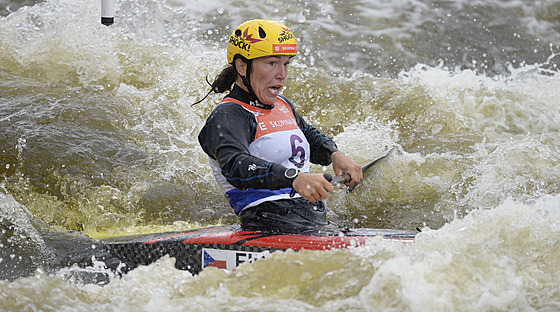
286,34
244,41
249,37
284,48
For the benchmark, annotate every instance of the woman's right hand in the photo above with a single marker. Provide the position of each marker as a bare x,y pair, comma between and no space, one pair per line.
312,186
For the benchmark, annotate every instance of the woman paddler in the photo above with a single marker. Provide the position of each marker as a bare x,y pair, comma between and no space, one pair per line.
259,147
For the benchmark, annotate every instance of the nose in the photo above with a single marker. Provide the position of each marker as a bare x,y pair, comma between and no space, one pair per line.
282,72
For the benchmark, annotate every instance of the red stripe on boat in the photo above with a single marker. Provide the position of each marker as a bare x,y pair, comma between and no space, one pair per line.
281,241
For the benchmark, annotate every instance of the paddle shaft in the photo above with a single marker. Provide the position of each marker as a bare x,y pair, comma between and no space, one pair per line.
346,177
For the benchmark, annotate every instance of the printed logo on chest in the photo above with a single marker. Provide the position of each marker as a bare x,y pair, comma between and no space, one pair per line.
278,119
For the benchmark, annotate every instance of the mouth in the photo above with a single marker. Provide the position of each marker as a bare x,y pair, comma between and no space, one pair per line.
274,90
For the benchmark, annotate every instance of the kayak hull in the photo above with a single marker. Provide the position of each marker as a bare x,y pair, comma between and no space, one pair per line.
227,247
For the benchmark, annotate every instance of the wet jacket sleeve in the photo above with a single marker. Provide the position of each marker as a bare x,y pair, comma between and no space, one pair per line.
226,137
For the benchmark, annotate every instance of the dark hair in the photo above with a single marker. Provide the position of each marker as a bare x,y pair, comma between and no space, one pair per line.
225,80
222,82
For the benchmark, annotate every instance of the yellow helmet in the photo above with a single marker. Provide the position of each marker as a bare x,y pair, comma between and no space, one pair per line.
258,38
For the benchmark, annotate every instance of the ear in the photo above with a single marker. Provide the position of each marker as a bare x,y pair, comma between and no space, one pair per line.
241,67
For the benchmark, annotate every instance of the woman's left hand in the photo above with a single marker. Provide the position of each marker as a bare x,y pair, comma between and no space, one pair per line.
343,164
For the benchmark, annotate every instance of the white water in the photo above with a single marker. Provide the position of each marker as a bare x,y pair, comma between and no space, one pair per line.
99,136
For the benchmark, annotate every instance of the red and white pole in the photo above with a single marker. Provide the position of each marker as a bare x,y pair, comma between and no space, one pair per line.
107,12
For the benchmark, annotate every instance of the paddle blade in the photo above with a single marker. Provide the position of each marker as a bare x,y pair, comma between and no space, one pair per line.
374,164
378,160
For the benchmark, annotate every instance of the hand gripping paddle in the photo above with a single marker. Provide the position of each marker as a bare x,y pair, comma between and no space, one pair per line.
345,177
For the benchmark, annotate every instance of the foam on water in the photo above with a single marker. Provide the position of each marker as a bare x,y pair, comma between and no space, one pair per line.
501,259
99,136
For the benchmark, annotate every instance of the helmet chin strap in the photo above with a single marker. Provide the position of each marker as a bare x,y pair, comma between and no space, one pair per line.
247,81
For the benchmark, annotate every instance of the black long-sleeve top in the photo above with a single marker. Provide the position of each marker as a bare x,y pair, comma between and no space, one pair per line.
230,129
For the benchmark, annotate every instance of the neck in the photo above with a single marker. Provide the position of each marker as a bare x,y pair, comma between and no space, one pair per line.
242,94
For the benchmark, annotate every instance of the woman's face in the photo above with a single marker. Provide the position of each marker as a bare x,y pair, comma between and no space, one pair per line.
268,75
